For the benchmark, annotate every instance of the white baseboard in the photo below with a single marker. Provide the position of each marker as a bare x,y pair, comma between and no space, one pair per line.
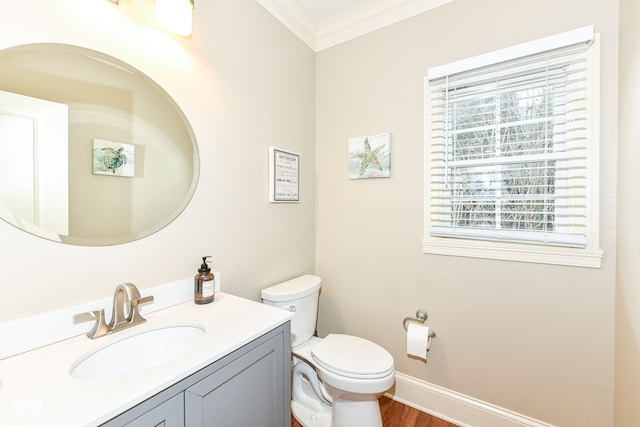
455,407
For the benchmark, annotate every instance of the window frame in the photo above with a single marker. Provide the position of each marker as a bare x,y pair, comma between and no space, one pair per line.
588,256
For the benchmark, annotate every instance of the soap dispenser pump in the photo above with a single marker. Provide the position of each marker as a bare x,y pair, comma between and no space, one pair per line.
203,284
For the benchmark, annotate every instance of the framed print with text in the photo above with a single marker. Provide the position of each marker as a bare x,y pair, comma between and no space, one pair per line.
284,175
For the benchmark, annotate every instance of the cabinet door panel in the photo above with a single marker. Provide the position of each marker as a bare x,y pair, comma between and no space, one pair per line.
248,391
168,414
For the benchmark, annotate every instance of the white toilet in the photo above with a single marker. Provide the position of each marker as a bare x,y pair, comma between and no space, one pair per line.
337,380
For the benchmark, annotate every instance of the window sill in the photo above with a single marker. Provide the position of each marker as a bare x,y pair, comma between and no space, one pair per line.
513,252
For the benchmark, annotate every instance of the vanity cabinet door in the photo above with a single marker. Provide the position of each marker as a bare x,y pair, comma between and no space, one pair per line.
249,390
169,413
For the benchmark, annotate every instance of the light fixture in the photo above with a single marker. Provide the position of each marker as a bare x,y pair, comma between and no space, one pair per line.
176,15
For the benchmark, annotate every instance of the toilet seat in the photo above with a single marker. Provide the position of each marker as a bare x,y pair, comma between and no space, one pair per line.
352,357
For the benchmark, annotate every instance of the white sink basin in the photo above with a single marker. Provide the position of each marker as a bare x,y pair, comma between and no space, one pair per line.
136,353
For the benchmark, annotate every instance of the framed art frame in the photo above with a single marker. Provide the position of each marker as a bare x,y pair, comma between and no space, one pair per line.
370,156
284,175
113,158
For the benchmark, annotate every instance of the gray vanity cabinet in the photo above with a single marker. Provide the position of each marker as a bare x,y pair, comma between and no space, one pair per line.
245,392
169,413
249,387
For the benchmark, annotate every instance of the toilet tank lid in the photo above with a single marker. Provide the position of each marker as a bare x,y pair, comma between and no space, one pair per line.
292,289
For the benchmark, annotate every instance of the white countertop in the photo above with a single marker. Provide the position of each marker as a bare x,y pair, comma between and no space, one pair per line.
37,389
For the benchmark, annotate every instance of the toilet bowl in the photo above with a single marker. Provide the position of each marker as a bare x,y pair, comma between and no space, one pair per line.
337,380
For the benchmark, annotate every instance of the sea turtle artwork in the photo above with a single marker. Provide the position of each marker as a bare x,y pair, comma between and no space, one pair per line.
369,156
112,159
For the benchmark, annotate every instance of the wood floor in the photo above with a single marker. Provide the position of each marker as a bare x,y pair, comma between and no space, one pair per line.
395,414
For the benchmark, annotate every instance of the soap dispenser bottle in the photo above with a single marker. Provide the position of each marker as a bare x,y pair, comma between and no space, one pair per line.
203,284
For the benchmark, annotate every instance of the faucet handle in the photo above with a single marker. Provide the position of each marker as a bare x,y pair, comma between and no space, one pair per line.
134,316
99,328
142,300
86,317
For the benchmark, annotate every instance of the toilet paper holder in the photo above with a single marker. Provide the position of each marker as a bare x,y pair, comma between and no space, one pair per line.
421,317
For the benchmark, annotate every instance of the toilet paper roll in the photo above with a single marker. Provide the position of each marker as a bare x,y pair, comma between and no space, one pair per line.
418,340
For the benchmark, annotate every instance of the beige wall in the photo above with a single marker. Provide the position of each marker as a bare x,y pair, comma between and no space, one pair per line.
536,339
245,83
627,360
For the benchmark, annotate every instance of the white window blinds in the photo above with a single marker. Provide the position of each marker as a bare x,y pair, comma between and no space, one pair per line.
509,144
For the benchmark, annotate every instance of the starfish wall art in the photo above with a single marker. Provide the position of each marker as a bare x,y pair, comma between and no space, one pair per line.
370,156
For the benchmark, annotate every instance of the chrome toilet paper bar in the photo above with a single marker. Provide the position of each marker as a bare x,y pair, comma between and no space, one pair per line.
421,317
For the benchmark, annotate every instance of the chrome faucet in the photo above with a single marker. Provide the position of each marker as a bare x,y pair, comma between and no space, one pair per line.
125,314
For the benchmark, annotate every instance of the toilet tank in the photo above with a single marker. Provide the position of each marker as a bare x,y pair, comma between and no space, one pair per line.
299,295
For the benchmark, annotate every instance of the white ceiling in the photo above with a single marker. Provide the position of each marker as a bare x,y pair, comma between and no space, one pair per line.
322,9
325,23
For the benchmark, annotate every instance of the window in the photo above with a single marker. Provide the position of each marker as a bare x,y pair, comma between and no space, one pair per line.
512,153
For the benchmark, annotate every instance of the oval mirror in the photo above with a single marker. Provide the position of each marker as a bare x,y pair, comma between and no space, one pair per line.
92,151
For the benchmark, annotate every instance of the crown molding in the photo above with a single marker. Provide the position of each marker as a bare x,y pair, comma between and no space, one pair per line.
295,18
363,18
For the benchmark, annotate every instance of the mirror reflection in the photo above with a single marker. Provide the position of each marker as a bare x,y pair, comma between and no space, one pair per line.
92,151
